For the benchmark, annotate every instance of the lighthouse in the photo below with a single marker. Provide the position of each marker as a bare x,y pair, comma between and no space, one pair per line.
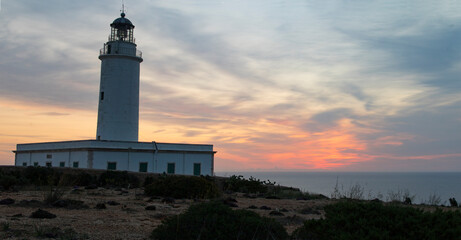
118,109
116,146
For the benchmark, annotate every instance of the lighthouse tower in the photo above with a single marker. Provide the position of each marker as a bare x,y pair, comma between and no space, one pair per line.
118,110
116,146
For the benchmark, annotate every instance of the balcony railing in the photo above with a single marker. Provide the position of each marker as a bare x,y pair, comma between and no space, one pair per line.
106,50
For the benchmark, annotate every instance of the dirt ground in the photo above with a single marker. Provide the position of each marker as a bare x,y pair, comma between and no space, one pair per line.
127,220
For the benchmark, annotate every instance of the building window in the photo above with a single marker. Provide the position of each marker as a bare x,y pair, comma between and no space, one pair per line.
24,164
48,164
197,169
142,167
35,164
62,164
75,164
111,165
49,156
102,95
170,168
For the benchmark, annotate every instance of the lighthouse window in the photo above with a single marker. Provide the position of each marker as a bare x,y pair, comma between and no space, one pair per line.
102,95
49,156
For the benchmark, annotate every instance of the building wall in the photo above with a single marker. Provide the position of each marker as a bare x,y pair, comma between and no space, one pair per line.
125,158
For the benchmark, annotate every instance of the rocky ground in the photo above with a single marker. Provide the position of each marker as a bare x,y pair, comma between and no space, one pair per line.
121,213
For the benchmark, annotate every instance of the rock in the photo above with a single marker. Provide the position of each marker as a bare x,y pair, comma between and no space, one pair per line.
42,214
100,206
272,197
151,208
230,199
253,207
69,204
265,208
252,196
91,186
276,213
18,215
169,200
230,204
30,203
309,210
113,203
7,201
283,210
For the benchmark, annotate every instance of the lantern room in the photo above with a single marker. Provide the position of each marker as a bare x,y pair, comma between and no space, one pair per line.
122,30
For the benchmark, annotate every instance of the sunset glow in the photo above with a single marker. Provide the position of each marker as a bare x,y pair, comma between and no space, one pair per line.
272,85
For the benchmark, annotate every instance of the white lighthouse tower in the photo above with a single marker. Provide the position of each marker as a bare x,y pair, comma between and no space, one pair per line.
116,146
118,111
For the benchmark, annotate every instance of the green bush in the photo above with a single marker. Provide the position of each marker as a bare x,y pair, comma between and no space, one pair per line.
240,184
118,179
41,176
84,179
215,221
182,187
361,220
147,181
8,181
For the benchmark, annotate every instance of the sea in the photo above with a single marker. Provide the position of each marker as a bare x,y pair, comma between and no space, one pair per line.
423,187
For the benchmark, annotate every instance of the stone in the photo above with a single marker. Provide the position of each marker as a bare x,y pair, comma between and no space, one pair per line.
7,201
101,206
42,214
150,208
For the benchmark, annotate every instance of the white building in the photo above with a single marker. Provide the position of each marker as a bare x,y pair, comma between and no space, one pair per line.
116,146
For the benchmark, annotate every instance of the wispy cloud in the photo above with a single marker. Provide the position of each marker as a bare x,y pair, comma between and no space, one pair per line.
274,85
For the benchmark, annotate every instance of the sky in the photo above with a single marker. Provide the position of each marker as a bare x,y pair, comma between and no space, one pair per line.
295,85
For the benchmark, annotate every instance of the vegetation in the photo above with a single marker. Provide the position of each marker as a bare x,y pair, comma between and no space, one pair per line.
370,220
240,184
177,186
118,179
215,221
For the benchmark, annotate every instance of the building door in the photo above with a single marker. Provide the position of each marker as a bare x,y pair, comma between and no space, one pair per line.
197,169
142,167
170,168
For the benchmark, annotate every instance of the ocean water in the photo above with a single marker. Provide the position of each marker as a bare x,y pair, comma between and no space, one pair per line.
421,185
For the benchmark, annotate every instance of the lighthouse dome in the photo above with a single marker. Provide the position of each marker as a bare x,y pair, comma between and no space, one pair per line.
122,22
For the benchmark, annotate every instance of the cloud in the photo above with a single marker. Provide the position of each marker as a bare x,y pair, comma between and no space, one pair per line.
312,85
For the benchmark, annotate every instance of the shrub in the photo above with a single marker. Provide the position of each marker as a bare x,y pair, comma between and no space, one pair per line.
240,184
148,181
8,181
357,220
41,176
213,220
118,179
84,179
182,187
